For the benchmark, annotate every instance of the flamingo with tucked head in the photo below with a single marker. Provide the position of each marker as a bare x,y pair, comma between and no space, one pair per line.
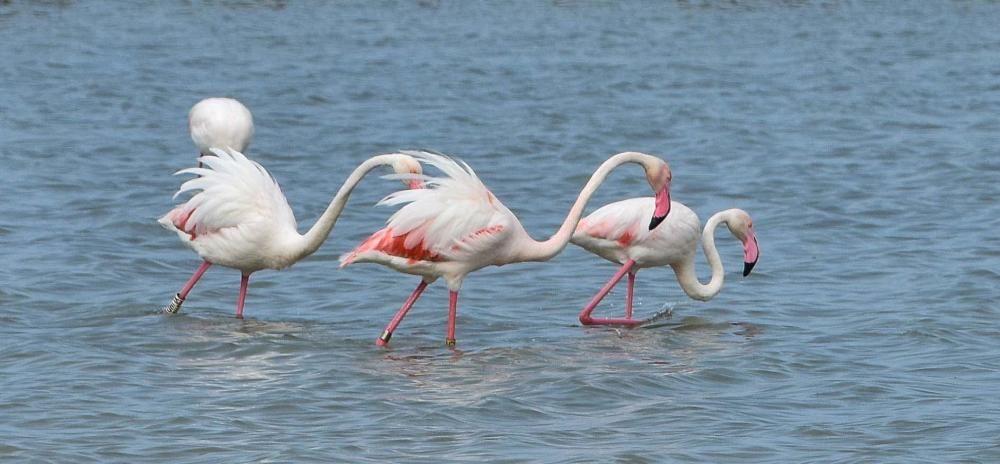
615,233
457,226
239,218
222,123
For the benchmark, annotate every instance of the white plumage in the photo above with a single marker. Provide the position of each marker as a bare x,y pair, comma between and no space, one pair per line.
605,231
453,227
220,123
238,217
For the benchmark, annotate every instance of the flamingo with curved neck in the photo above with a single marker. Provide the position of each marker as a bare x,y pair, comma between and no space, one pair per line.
457,226
613,232
239,218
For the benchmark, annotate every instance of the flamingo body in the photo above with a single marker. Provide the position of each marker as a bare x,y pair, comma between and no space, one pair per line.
615,232
450,230
239,217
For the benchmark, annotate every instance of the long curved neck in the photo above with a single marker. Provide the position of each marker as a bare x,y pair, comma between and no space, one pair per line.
686,274
318,233
545,250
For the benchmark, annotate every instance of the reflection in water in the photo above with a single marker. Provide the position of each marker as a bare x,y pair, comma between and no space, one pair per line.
679,345
215,370
464,378
453,376
221,349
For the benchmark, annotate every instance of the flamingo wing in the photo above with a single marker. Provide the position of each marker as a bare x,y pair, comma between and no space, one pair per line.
232,191
620,222
617,232
456,218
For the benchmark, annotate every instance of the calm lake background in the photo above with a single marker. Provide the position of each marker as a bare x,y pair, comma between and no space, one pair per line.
862,137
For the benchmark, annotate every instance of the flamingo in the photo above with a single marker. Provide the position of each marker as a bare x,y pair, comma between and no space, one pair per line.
220,123
458,226
615,233
240,219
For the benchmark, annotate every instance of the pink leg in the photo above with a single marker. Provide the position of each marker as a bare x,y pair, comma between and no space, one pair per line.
585,318
383,339
175,304
244,283
628,296
452,313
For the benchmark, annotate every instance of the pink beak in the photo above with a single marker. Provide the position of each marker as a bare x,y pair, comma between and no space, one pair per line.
416,184
751,251
662,208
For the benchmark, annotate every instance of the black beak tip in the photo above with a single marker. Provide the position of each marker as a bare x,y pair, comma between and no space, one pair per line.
747,267
656,221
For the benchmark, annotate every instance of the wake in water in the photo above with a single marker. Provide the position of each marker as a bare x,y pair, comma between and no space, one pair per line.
665,313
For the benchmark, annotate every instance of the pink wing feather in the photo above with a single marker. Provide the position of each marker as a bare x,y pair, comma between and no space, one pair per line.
623,221
453,219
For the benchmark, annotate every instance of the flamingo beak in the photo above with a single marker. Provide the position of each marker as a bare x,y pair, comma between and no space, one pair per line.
415,184
662,208
751,251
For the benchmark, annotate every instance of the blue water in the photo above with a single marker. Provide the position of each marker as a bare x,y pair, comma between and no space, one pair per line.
861,136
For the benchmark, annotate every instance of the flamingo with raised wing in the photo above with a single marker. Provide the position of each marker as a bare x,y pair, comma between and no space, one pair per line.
239,217
615,233
457,226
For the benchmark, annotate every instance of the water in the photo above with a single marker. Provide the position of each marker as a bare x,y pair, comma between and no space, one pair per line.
861,136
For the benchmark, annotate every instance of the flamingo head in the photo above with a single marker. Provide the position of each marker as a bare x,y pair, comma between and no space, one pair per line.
220,123
742,228
409,167
659,177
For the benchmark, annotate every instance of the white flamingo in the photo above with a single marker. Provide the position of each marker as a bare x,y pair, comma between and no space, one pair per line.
457,226
615,233
240,219
217,122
